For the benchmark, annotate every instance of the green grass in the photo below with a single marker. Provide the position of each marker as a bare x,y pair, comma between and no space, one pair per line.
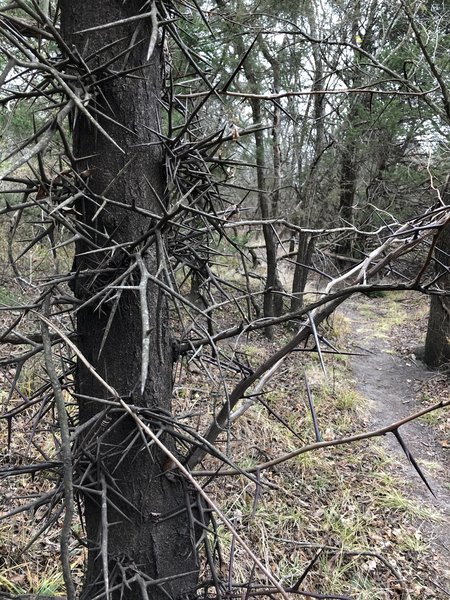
9,297
412,542
348,398
395,500
432,418
23,579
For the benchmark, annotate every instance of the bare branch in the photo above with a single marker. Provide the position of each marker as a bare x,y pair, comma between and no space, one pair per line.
65,451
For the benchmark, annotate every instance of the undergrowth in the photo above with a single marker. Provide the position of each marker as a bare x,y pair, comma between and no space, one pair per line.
342,506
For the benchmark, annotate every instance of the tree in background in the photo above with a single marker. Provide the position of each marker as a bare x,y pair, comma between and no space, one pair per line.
437,343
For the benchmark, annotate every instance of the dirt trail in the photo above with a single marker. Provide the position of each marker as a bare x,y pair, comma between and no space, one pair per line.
391,383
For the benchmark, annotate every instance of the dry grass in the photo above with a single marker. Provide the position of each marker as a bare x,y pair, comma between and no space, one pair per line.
343,500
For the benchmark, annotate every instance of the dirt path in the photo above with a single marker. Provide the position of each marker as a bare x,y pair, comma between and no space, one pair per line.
391,383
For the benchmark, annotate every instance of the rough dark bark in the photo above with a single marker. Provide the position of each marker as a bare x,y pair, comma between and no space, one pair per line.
347,195
272,281
437,343
277,304
276,128
303,260
147,533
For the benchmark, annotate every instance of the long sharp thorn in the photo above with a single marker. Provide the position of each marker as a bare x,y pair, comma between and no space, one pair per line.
239,65
313,410
412,460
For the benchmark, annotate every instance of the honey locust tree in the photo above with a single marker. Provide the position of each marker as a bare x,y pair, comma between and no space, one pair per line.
120,207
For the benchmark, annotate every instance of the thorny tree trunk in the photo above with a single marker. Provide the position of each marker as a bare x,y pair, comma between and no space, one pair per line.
148,535
437,344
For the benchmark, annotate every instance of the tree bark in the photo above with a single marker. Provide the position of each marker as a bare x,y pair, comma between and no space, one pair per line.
303,260
347,196
272,281
148,536
437,343
272,270
273,284
309,213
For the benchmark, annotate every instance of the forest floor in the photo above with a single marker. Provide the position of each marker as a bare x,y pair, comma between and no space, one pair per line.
397,384
381,532
359,510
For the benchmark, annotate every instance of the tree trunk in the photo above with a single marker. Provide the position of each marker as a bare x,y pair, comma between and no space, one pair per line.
272,271
347,197
437,343
272,281
148,536
302,262
271,304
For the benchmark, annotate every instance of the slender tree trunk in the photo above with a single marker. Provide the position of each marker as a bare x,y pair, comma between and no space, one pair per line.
148,536
278,304
276,154
303,260
272,280
437,343
347,196
309,213
359,105
264,206
276,124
